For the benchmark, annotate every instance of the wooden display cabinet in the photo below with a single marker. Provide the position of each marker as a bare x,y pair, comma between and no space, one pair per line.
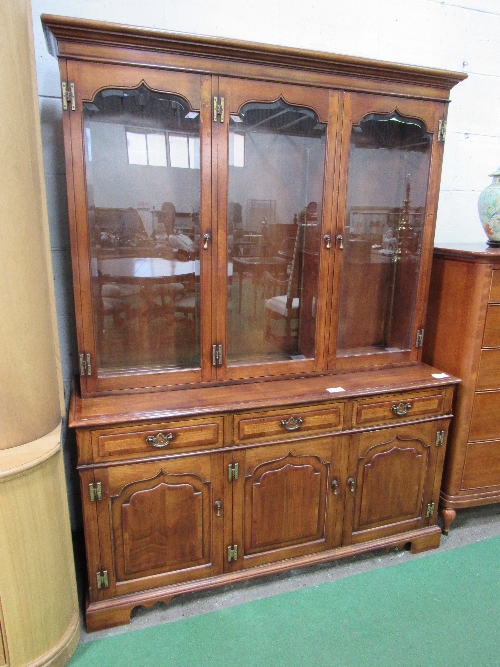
251,235
463,337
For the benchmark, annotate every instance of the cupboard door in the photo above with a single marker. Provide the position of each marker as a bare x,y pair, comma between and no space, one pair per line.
273,198
140,155
287,500
390,181
159,523
391,481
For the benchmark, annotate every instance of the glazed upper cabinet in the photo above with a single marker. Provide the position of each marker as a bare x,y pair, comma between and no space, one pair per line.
239,211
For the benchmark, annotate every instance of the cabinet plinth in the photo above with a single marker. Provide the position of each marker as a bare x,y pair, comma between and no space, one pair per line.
251,231
463,338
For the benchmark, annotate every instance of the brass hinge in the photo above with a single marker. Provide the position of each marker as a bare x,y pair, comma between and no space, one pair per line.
232,472
419,341
102,579
68,96
430,509
232,553
219,109
217,355
85,364
95,491
441,130
439,438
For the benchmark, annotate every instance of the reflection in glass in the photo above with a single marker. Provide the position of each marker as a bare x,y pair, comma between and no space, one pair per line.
276,157
143,192
388,171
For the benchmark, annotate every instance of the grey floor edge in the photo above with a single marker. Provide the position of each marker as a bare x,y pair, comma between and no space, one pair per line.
471,525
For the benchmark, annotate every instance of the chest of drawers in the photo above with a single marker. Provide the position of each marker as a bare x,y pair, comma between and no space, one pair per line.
463,337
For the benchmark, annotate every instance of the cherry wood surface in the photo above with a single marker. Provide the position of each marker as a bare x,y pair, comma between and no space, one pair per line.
295,446
136,344
116,409
462,337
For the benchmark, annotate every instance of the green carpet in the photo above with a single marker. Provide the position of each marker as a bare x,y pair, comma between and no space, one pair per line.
438,611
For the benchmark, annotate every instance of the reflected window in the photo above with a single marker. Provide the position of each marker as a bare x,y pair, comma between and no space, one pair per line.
236,149
150,148
146,148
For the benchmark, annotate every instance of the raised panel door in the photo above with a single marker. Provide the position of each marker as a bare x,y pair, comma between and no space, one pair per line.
391,481
288,500
158,522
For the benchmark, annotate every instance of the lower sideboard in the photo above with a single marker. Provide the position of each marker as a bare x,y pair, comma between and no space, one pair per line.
217,485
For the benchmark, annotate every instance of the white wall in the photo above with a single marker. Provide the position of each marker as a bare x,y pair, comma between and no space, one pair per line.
461,35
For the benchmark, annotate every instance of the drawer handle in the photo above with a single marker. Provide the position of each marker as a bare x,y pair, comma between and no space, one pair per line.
160,440
335,487
352,484
292,423
401,409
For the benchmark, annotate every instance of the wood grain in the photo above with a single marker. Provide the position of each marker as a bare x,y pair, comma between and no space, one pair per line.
463,337
37,578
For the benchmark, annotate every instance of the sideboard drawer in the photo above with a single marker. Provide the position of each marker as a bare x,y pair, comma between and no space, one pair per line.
488,376
495,286
287,423
157,439
404,406
491,336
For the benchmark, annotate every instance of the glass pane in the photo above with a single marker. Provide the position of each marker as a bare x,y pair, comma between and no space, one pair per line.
388,172
144,228
157,149
277,154
179,156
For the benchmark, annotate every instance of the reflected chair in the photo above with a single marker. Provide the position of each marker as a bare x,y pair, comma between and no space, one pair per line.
284,307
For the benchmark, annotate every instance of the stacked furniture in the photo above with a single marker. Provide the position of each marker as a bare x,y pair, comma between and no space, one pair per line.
219,444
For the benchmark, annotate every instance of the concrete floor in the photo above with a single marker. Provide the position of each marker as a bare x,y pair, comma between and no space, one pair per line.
471,525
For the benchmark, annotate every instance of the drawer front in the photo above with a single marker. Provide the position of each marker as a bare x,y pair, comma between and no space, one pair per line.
404,406
482,465
495,287
287,424
485,424
157,439
491,336
489,370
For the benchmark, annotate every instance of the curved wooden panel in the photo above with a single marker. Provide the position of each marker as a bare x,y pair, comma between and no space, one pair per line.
161,525
285,503
387,497
91,78
241,91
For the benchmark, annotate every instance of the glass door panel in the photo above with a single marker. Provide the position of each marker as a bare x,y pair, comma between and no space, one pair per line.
142,168
388,174
275,192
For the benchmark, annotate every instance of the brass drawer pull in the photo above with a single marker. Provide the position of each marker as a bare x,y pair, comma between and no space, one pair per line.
335,487
401,409
160,440
218,507
292,423
352,484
